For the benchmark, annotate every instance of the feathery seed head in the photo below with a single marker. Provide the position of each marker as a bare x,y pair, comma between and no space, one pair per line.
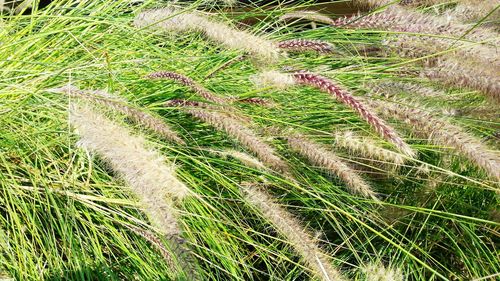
367,148
308,15
169,19
444,133
304,45
155,241
377,272
143,169
244,158
397,18
254,100
151,122
453,72
236,129
326,85
186,81
327,160
273,78
288,226
393,87
183,103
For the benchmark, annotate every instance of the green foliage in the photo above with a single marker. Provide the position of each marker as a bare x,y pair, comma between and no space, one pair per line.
63,214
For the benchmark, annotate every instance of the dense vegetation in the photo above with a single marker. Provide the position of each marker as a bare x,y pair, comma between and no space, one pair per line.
71,210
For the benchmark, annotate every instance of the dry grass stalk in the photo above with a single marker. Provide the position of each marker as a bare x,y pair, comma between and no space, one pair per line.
367,148
305,45
143,169
444,133
288,226
149,121
169,19
365,112
239,131
327,160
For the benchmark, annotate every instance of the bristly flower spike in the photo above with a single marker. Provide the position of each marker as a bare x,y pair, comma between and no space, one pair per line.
288,226
324,84
151,122
318,155
236,129
305,45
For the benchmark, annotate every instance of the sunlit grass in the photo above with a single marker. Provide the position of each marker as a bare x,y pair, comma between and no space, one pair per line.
63,213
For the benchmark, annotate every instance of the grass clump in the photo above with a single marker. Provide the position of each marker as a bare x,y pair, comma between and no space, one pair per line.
67,216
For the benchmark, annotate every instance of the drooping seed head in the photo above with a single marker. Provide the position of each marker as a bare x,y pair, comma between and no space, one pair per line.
305,45
326,85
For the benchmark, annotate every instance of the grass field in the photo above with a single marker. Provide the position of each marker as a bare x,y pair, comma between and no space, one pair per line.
66,214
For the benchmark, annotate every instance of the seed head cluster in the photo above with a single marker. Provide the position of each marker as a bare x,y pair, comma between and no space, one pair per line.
169,19
152,180
326,85
318,155
288,226
444,133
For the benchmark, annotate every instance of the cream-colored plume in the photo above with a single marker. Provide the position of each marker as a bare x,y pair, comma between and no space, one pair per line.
143,169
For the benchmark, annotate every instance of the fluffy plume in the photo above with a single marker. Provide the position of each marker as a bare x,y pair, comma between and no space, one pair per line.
305,45
149,121
327,160
308,15
224,2
472,54
452,72
169,19
377,272
273,78
394,87
156,242
244,158
257,101
399,19
444,133
237,130
367,148
478,68
186,81
200,90
365,112
177,247
143,169
471,10
465,10
372,3
288,226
